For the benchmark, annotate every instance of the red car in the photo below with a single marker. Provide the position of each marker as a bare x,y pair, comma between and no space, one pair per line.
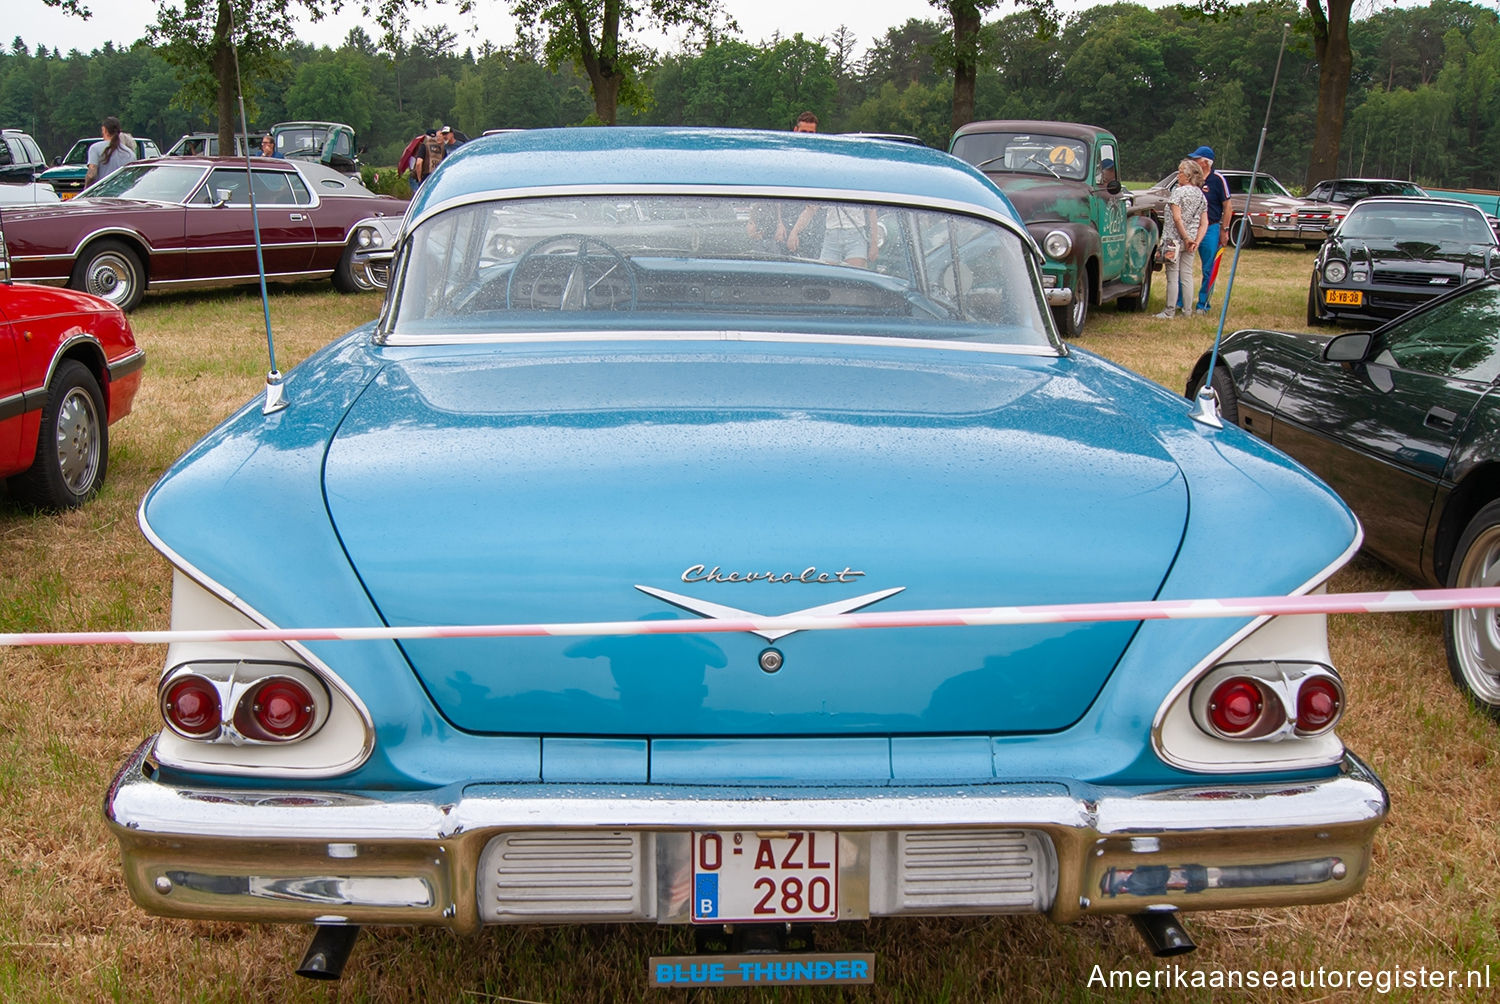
69,367
186,221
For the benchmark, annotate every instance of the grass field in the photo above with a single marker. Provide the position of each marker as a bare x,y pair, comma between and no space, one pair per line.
68,932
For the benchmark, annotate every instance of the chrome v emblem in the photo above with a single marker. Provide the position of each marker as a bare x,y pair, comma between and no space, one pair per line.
717,611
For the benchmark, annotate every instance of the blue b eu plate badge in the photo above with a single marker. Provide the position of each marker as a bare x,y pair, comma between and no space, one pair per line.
705,896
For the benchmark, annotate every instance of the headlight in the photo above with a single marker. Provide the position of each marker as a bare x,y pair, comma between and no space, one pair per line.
367,237
1335,271
1057,244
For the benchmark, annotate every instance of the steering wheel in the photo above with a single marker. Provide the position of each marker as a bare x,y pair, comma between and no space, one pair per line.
565,266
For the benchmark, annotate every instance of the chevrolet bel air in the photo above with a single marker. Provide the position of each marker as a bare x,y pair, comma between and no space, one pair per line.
605,398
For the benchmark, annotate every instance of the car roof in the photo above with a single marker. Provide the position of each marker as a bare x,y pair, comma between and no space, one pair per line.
540,161
1077,130
198,160
1376,201
1383,181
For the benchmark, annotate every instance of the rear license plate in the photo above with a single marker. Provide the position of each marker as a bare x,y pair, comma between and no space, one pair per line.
744,876
1343,297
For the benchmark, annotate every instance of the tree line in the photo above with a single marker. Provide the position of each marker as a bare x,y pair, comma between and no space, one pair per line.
1423,99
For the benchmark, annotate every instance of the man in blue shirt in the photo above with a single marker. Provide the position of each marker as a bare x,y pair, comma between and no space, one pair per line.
1220,213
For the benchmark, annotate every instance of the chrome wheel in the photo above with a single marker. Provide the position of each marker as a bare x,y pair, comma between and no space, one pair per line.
1472,637
78,426
111,271
110,278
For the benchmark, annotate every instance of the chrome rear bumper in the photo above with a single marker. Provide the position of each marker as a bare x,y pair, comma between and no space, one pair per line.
623,853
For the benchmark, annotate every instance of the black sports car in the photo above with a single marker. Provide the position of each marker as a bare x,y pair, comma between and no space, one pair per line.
1390,255
1404,423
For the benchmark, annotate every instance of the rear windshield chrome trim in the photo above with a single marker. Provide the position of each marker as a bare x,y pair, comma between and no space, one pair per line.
778,337
888,198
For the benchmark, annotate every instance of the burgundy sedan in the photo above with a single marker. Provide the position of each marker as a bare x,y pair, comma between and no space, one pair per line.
186,221
69,366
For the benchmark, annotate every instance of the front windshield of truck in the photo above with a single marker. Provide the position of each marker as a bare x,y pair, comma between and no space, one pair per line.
301,141
80,152
694,262
1028,153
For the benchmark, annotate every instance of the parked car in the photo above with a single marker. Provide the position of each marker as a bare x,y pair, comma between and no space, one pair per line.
1390,255
374,246
1400,421
186,221
328,143
21,160
30,193
1348,191
1063,179
69,368
570,411
1274,214
67,173
204,144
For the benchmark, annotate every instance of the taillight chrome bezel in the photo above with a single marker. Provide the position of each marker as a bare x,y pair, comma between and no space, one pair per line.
237,683
1279,684
169,692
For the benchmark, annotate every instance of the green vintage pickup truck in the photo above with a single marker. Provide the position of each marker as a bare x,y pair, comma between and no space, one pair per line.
1062,178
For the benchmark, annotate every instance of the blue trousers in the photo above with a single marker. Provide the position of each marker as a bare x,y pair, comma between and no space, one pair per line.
1206,252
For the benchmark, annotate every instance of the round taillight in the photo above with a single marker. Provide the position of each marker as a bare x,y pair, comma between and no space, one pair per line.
191,707
1320,701
276,711
1235,706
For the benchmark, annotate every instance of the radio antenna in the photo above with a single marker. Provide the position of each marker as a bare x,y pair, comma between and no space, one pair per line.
275,391
1206,407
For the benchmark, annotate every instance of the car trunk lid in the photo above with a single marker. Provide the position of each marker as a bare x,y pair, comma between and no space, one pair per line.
566,485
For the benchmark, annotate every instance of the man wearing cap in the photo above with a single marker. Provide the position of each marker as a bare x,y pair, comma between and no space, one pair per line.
431,153
1220,213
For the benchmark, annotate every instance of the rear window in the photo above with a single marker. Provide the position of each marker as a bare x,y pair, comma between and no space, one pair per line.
717,262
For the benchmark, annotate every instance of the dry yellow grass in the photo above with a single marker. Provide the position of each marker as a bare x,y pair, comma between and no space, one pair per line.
68,932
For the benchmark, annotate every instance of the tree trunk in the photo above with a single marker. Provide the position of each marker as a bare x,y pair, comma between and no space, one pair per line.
225,75
965,58
1331,44
601,64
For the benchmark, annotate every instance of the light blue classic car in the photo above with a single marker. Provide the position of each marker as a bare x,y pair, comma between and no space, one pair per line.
671,382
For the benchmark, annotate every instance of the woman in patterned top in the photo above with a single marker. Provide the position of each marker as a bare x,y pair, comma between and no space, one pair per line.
1189,220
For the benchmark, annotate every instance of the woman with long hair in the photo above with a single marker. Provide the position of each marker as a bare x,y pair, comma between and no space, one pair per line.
114,150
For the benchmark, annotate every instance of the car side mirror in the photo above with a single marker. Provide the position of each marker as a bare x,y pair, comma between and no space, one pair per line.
1348,348
1113,188
222,197
56,161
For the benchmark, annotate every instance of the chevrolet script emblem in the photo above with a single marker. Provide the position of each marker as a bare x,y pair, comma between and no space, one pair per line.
717,611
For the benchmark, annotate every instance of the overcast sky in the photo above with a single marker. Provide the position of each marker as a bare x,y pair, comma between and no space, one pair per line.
124,21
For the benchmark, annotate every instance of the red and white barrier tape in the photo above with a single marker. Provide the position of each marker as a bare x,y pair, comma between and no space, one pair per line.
1255,606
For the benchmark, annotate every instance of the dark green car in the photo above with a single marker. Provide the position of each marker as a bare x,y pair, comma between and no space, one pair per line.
1063,178
1404,423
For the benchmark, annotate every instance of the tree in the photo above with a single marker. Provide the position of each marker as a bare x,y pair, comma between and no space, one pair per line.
593,34
963,53
200,38
966,17
1330,31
